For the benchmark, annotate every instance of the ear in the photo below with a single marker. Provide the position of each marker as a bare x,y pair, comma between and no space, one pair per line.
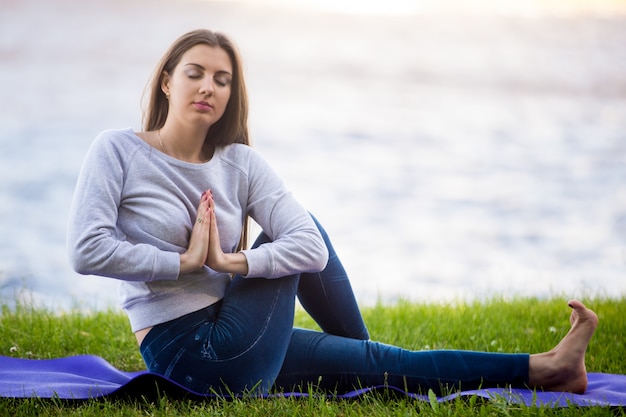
165,84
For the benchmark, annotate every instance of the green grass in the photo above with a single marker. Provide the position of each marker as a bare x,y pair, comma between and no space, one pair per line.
519,325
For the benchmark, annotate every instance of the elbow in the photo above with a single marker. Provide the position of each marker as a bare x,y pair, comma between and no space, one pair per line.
78,252
319,247
80,263
84,259
323,258
319,255
82,270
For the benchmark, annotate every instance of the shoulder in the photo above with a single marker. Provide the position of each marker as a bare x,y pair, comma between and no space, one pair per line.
243,156
118,137
118,144
247,162
236,151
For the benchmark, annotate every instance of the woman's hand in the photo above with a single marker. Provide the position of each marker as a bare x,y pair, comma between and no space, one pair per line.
216,259
195,256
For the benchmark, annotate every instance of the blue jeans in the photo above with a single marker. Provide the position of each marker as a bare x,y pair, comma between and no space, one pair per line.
246,343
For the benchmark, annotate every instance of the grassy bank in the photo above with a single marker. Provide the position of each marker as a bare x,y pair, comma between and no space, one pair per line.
521,325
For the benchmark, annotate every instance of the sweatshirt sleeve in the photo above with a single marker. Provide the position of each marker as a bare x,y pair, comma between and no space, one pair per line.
296,244
93,242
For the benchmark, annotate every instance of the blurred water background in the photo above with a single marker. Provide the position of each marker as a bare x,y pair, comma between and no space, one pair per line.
453,149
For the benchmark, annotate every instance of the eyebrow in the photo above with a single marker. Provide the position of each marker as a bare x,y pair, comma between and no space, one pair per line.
203,69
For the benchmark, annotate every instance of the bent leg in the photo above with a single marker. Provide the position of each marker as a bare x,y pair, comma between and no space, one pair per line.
235,346
338,364
328,298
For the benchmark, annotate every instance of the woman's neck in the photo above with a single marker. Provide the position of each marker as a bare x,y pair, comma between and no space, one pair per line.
185,144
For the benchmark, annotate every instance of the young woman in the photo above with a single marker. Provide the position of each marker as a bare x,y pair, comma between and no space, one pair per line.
165,212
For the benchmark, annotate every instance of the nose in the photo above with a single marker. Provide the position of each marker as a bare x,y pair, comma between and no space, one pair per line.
206,88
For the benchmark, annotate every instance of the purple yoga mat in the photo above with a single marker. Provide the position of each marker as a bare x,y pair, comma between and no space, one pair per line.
90,377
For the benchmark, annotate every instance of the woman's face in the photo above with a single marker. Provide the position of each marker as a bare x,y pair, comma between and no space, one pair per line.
199,86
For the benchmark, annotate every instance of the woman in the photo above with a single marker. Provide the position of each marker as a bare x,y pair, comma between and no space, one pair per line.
165,212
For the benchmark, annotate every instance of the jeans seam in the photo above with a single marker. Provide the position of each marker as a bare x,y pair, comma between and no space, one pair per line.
259,335
173,363
332,310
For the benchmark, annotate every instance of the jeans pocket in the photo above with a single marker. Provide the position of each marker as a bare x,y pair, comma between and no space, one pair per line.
186,368
204,334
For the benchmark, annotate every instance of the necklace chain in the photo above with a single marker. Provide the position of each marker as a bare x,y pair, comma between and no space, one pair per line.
160,141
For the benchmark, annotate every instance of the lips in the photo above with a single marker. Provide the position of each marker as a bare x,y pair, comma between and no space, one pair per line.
202,105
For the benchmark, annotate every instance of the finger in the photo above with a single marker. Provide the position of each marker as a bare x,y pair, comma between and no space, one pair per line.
211,217
213,221
210,200
211,209
204,219
214,249
203,207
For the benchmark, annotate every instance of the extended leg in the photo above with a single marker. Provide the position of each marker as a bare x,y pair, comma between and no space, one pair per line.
337,364
563,368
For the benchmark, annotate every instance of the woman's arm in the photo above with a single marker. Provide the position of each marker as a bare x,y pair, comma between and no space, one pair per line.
296,243
95,246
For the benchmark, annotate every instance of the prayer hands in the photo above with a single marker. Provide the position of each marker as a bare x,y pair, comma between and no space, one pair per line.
195,256
204,244
215,256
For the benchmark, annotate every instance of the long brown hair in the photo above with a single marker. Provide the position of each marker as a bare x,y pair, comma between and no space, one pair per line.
232,127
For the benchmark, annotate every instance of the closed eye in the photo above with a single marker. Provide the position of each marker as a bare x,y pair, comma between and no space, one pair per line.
194,75
222,82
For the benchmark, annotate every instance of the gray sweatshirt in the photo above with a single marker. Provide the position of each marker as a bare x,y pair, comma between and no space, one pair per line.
134,208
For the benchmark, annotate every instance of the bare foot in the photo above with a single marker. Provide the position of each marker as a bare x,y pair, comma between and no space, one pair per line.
563,368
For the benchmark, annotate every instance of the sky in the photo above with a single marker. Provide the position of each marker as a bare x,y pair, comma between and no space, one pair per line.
403,7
